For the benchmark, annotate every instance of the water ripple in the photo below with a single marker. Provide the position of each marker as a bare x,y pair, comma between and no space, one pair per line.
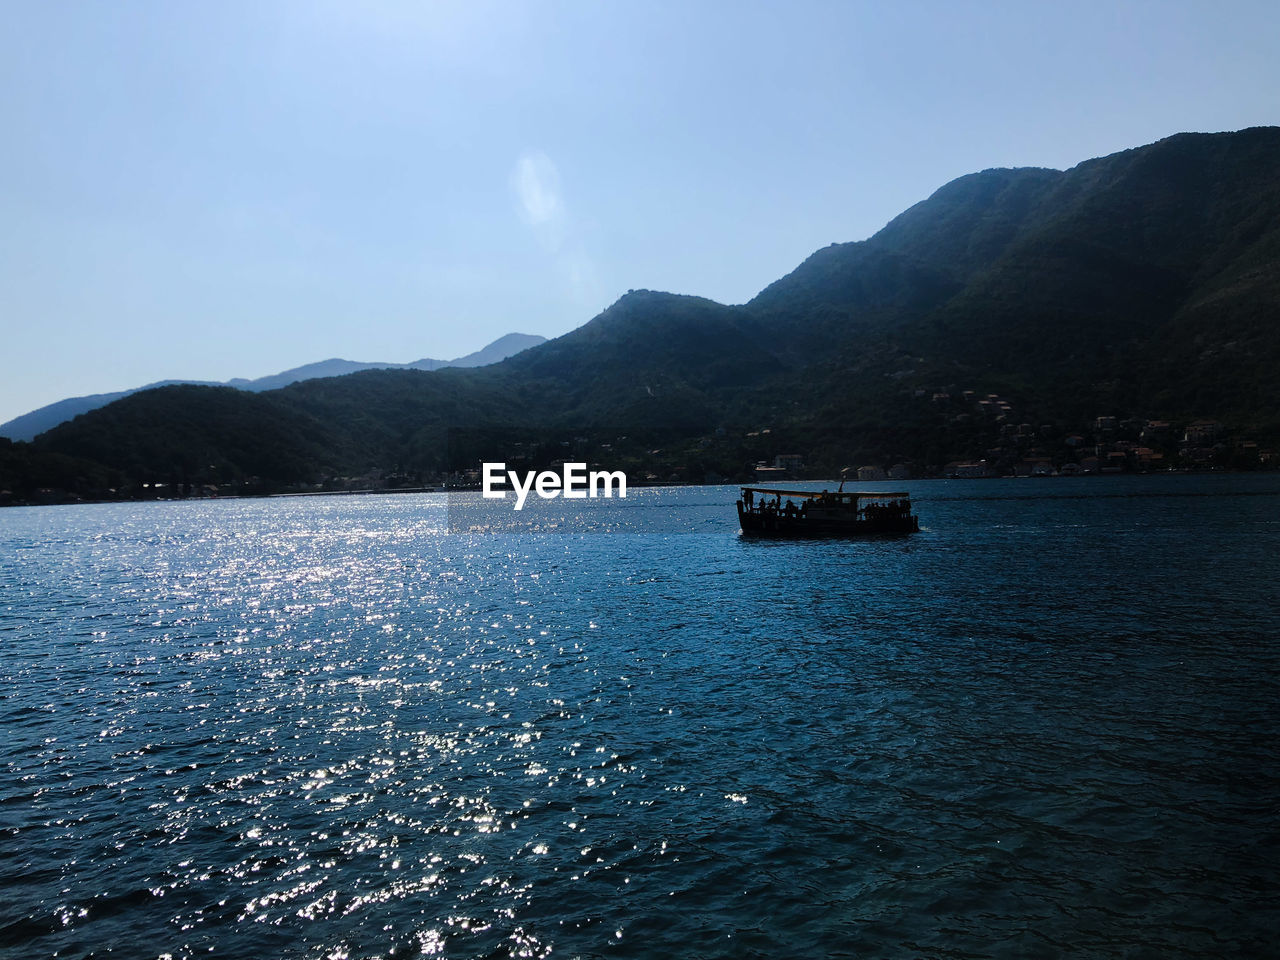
318,728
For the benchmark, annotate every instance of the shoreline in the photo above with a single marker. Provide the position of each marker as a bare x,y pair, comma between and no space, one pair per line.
661,484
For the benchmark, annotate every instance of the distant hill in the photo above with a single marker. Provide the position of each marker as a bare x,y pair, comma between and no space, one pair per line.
1120,314
30,425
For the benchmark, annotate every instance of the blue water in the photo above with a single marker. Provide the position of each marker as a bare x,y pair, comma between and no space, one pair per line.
1044,726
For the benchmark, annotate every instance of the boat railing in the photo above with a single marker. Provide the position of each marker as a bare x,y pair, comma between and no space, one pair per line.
872,508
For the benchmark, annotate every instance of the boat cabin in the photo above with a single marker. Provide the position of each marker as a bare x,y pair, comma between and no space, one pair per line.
769,511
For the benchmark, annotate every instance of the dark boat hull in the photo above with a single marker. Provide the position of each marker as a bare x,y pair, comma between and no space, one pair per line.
800,526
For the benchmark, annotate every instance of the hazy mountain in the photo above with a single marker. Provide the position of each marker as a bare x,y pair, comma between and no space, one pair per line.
1145,284
495,352
29,425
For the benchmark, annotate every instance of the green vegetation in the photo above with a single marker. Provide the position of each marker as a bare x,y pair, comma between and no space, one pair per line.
995,321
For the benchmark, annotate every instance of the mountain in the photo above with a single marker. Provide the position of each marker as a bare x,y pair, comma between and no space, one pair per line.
496,352
29,425
1143,283
1018,317
500,349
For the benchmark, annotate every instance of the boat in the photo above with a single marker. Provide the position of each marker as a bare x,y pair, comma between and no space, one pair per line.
767,512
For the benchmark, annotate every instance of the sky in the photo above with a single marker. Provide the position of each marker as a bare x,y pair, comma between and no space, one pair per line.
216,190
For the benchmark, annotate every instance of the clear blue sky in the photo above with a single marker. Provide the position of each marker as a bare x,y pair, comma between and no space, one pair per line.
209,190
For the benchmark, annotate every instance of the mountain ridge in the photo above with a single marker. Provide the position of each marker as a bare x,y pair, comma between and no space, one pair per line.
29,425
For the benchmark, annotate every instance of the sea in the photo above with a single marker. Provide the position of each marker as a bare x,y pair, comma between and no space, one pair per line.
337,727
